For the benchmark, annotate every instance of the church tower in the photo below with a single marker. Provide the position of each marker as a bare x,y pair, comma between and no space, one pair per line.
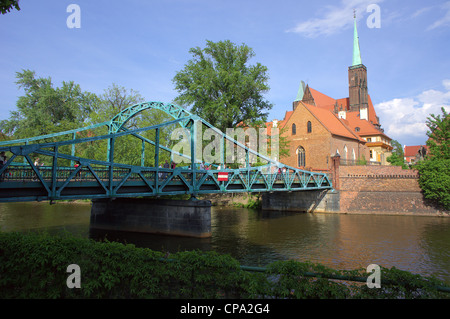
357,79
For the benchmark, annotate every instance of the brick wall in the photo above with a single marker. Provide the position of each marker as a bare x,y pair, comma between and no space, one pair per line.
382,189
319,145
385,170
340,143
405,203
316,143
378,179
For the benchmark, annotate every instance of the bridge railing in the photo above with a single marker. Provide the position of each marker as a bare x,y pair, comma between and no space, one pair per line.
24,173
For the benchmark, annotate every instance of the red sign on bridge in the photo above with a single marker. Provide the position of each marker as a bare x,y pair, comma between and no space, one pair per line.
222,177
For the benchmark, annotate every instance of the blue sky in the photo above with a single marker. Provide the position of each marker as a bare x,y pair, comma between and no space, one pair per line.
142,44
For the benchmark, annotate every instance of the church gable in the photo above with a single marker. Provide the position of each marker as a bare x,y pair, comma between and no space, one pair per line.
300,118
308,97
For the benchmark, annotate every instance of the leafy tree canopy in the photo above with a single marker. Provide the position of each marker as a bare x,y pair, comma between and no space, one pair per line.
114,100
397,157
434,178
220,86
45,109
439,135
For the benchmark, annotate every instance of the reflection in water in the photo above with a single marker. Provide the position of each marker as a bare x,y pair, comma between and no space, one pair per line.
417,244
155,242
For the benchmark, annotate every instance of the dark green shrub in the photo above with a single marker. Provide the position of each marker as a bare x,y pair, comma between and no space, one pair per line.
34,265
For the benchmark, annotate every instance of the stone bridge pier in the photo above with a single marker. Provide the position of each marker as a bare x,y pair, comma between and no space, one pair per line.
305,201
191,218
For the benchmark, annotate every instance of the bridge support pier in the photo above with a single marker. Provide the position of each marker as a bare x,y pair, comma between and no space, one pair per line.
157,216
310,201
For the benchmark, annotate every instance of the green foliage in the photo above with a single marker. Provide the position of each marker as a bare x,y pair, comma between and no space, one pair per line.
34,265
7,5
361,161
291,284
434,180
397,158
114,100
434,171
253,201
45,109
221,87
400,284
439,135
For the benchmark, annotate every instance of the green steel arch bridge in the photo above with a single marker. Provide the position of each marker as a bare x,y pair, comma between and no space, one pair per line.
67,175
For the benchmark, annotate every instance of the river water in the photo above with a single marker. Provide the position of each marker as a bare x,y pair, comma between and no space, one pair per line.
414,243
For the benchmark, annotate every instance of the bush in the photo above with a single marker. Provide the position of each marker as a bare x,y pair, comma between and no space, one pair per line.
434,180
35,266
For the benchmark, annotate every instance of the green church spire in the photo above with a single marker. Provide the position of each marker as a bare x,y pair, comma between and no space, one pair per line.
356,52
300,92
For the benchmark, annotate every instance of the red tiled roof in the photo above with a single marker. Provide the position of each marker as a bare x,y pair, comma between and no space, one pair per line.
372,114
345,103
324,112
280,123
286,118
411,151
331,122
327,118
365,127
324,101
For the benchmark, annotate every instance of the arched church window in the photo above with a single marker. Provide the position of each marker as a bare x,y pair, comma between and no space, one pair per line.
309,127
301,162
294,129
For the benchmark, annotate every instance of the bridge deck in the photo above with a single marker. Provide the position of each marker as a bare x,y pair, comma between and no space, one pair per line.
22,183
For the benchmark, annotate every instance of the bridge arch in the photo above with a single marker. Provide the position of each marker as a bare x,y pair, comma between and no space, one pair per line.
118,121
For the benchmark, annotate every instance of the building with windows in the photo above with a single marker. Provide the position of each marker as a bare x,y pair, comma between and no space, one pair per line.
320,126
414,154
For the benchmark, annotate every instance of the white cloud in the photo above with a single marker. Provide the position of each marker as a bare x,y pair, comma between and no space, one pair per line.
404,119
421,11
445,20
446,84
335,18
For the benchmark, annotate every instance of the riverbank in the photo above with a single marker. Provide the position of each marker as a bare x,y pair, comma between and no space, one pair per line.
354,200
384,190
115,271
370,190
244,200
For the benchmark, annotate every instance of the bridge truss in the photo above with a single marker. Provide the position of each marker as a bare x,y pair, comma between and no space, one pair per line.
22,180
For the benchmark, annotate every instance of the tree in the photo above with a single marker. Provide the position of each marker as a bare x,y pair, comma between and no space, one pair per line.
128,149
434,180
7,5
434,171
397,158
114,100
439,135
220,86
45,109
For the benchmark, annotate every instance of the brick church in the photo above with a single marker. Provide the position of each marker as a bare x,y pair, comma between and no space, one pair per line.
320,126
